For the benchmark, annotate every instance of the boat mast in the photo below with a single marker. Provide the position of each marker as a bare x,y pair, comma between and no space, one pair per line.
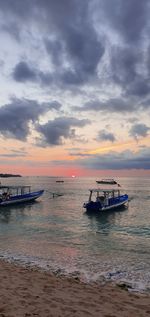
90,196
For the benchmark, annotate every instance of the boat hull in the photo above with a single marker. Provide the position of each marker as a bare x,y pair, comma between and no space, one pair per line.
112,204
17,199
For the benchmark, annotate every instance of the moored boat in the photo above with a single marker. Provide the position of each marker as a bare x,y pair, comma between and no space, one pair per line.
17,194
105,199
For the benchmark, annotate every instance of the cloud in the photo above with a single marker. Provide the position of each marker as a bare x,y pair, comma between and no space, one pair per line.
118,161
12,155
55,50
16,116
80,38
104,135
126,26
139,130
128,18
16,153
82,46
54,132
22,72
98,49
111,105
69,36
129,70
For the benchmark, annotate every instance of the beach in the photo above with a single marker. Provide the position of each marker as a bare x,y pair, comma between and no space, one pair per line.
26,291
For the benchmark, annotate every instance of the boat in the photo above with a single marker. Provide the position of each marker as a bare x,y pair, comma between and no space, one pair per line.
17,194
107,181
60,181
105,199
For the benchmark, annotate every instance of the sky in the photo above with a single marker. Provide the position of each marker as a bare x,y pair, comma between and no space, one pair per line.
75,87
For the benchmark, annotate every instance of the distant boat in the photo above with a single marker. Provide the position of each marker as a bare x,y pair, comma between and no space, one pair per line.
60,181
17,194
109,181
105,199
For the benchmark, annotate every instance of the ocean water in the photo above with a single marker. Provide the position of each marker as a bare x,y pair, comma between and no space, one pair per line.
55,233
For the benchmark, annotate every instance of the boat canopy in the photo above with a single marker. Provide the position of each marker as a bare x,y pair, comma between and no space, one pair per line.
107,181
105,190
14,187
19,190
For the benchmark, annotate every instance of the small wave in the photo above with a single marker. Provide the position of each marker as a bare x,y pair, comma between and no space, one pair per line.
118,277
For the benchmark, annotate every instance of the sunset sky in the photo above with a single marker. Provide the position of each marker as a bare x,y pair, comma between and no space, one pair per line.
75,87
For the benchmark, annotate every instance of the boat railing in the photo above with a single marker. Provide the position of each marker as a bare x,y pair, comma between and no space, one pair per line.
117,199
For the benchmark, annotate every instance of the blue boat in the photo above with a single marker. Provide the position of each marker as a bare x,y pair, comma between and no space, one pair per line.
105,199
17,194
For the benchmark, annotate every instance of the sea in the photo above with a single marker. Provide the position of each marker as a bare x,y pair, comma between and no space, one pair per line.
55,233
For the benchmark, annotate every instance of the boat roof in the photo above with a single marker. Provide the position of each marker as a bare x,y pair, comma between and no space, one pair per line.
107,180
104,190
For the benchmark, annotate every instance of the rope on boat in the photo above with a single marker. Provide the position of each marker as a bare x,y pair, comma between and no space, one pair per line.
54,194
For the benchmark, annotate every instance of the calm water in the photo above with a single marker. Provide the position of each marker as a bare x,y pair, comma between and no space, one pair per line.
57,234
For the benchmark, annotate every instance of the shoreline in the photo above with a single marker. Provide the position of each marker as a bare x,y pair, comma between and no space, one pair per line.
134,286
27,291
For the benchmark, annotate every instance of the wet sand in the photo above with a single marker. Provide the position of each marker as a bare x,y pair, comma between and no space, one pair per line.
30,292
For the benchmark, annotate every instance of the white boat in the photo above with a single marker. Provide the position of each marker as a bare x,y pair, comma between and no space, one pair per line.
105,199
17,194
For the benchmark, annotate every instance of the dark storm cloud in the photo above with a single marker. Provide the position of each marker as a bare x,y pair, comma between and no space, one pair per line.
55,50
17,9
22,72
72,22
140,87
85,51
129,70
16,116
104,135
129,56
139,130
118,161
130,17
69,23
79,36
55,131
124,62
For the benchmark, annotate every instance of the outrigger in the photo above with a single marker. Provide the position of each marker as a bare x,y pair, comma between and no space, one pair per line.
105,199
17,194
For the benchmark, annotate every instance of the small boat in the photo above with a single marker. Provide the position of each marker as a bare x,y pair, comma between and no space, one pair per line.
60,181
107,181
105,199
17,194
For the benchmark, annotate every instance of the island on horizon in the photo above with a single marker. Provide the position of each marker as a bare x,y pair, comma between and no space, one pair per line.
9,175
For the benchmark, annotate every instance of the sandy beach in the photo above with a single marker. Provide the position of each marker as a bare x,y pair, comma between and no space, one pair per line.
30,292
